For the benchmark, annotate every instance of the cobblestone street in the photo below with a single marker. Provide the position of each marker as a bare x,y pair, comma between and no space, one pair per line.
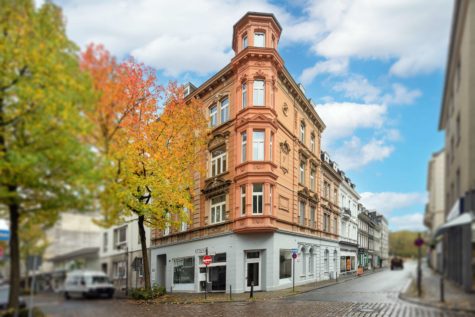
372,295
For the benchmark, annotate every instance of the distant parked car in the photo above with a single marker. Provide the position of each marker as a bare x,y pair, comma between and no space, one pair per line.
4,292
397,263
88,284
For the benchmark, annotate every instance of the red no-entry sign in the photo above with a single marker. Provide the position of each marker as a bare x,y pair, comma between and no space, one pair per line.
207,259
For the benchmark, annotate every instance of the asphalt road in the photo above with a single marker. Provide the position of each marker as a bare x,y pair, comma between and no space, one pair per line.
371,295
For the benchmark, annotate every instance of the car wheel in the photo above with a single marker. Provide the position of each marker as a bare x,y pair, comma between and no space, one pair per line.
66,296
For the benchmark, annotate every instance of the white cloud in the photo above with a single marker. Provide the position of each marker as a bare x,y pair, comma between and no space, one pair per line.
343,118
413,222
387,202
354,154
331,66
408,31
401,95
176,36
358,87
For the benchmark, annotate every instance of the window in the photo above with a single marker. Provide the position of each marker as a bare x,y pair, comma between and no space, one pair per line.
218,161
258,145
271,145
326,222
120,237
335,195
302,173
335,260
259,39
285,264
304,261
311,263
184,270
244,95
312,179
343,228
257,195
224,110
118,269
326,261
302,132
244,41
243,146
312,216
218,209
258,94
458,129
302,213
105,242
243,199
312,142
271,189
335,226
326,189
166,230
213,116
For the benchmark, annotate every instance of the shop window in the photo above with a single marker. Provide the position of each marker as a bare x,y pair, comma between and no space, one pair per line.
184,270
285,264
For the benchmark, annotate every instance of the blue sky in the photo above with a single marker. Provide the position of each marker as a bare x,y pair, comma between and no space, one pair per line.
375,69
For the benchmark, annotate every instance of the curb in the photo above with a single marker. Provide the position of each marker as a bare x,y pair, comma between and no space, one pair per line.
411,300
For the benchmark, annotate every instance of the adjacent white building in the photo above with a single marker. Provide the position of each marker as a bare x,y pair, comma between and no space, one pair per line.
121,254
349,199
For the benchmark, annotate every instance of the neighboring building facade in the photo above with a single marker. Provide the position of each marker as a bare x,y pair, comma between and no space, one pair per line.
72,244
384,233
349,225
261,196
434,216
121,254
457,119
363,238
375,251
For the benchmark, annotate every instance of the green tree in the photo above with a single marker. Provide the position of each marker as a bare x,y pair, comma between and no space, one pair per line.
45,167
401,243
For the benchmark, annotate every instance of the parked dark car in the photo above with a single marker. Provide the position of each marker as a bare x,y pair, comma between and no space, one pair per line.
397,263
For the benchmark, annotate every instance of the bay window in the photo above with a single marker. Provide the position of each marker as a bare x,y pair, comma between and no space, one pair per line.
259,39
257,195
218,209
271,145
244,95
243,146
258,145
243,199
258,93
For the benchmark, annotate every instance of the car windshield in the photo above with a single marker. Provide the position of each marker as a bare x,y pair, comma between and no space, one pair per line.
99,279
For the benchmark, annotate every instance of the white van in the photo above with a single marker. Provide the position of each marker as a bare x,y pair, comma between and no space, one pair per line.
88,284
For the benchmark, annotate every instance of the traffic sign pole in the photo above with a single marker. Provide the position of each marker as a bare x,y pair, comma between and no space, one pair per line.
294,256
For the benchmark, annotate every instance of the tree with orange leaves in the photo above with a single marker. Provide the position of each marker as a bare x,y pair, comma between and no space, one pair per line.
151,142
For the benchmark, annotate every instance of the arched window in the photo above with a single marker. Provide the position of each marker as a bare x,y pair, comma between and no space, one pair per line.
311,261
304,261
326,261
335,260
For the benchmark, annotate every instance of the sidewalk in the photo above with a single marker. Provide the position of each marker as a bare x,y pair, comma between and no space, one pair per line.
455,298
191,298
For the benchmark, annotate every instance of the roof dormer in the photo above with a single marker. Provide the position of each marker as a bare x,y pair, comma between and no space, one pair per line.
256,29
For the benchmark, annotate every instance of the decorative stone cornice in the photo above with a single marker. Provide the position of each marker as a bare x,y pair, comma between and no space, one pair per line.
218,140
216,186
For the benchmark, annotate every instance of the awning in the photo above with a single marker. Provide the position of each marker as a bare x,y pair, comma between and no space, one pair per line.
464,219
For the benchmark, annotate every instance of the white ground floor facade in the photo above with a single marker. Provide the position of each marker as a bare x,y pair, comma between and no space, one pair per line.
348,258
240,260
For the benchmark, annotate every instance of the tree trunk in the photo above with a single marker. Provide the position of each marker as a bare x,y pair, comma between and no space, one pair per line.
145,263
14,295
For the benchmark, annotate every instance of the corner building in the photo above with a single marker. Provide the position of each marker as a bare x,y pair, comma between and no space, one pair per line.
261,195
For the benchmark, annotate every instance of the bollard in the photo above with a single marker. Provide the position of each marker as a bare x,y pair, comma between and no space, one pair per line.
252,290
442,299
230,292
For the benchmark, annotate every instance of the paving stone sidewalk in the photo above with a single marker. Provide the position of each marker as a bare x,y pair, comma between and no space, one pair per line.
455,298
192,298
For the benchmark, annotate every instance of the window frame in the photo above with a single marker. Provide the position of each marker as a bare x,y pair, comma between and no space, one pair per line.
258,93
243,146
224,113
244,95
258,144
213,114
220,161
217,208
257,199
245,41
243,199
